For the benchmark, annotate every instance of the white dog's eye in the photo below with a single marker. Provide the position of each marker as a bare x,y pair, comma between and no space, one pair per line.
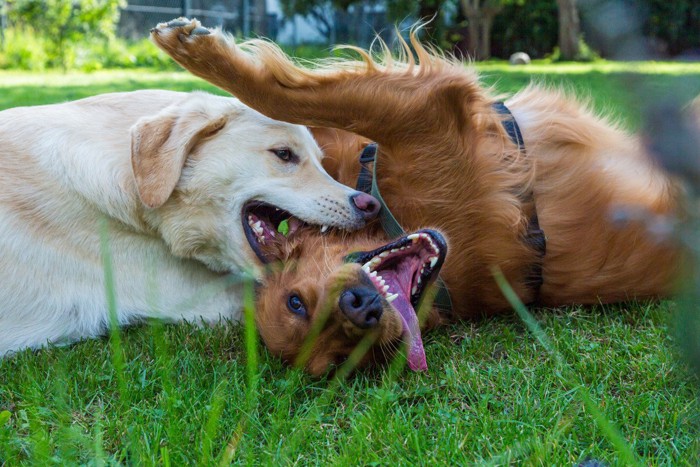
285,154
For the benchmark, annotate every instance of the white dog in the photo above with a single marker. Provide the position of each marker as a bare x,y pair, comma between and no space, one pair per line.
182,186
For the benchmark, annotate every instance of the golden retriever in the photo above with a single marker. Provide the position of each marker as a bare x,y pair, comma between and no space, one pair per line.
188,186
446,160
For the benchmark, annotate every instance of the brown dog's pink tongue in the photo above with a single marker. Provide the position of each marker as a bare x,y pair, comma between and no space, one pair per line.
411,328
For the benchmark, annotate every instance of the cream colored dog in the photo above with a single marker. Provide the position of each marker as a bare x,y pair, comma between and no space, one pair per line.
184,187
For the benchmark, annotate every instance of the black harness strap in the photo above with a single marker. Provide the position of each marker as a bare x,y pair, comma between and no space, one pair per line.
534,237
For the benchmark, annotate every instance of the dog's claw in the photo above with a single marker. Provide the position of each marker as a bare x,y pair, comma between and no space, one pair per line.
200,31
177,23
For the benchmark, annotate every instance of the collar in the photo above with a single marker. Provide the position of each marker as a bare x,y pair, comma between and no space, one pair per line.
534,237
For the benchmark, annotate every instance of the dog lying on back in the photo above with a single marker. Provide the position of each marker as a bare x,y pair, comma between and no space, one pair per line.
447,160
188,188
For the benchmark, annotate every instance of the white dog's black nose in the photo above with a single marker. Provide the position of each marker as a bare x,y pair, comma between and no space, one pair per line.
362,306
367,205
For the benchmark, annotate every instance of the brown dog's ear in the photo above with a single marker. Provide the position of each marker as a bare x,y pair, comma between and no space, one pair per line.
159,148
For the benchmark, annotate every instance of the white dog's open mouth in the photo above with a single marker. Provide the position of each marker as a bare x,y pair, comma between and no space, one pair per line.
263,223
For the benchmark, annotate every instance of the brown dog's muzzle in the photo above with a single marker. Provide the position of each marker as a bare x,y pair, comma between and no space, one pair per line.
362,306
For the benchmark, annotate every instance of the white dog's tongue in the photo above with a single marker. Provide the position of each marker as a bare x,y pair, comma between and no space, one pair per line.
416,353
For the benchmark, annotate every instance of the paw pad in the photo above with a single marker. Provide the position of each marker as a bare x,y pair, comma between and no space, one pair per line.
200,31
177,23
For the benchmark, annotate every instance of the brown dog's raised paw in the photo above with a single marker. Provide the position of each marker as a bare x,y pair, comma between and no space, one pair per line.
182,29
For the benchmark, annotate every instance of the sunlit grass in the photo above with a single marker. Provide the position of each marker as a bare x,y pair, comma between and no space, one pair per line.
494,395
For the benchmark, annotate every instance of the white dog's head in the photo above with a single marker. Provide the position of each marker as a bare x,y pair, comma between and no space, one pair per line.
218,179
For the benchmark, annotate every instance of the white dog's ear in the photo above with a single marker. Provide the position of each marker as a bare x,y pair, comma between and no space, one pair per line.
159,148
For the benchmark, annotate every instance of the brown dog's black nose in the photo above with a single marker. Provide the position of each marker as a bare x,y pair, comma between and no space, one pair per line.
362,306
367,205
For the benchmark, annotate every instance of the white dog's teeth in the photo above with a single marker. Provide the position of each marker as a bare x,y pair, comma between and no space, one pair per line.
392,297
433,261
413,237
365,268
385,289
257,225
384,254
414,289
371,273
381,281
324,228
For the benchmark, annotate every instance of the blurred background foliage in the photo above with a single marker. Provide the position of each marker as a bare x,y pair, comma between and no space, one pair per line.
88,35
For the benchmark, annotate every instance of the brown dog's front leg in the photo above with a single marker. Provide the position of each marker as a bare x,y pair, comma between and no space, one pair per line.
376,101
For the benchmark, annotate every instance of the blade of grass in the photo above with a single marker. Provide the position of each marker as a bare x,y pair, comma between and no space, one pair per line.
252,372
212,424
115,344
111,295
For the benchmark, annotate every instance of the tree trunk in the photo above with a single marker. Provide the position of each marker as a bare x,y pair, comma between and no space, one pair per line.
470,8
569,29
473,46
485,40
480,15
260,17
429,11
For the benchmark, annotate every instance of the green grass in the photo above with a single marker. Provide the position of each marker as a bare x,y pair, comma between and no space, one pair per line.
494,394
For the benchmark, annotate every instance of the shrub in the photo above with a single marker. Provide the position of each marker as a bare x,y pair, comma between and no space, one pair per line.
64,24
24,49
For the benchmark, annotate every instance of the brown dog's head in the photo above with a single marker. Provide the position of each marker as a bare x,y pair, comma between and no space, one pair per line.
338,292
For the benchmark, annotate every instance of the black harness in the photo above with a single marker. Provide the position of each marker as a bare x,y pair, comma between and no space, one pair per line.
534,237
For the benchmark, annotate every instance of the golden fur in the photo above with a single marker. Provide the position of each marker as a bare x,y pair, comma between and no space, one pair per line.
329,335
445,161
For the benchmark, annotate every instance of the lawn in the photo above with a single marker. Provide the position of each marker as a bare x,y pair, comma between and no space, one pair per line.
610,386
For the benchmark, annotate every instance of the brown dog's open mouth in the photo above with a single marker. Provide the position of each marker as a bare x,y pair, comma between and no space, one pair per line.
401,271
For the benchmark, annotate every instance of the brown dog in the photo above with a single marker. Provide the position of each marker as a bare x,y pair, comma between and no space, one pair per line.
446,160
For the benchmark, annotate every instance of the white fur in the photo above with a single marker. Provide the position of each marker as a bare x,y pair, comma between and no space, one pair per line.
66,167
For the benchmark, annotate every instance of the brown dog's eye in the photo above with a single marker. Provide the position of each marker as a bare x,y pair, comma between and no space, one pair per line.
285,154
296,305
